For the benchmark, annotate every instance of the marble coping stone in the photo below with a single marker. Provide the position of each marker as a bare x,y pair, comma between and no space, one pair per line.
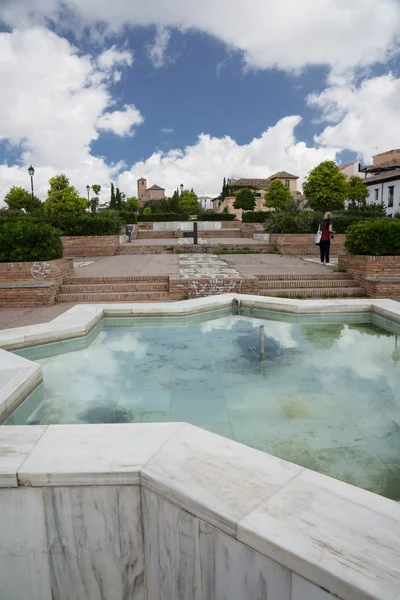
344,539
18,378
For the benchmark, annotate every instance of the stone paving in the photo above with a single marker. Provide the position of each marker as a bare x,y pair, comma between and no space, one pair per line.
127,264
199,266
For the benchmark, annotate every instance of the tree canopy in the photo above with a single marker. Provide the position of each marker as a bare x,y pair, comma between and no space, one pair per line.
357,192
277,195
18,198
326,187
131,204
245,200
188,202
94,200
63,199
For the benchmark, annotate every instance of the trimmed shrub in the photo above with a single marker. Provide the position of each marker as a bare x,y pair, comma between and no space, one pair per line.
281,223
257,216
307,221
90,225
127,216
163,217
374,238
212,216
24,240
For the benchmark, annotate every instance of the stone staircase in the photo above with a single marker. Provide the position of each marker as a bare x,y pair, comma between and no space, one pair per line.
328,285
116,289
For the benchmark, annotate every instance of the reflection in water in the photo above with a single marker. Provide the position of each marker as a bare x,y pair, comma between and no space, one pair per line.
324,395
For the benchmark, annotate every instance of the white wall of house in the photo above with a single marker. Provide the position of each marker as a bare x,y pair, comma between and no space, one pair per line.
206,202
380,192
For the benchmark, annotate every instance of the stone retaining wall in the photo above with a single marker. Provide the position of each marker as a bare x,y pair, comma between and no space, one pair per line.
21,271
98,245
249,228
379,276
303,243
25,294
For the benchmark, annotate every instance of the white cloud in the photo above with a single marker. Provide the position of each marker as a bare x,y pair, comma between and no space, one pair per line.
363,117
113,56
157,51
167,130
203,165
270,33
51,107
121,122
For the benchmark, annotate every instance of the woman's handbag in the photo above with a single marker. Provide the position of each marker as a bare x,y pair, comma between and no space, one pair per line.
318,237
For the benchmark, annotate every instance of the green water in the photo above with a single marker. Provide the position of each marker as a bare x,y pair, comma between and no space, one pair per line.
325,394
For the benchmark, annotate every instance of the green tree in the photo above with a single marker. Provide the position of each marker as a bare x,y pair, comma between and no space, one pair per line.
278,195
174,202
245,200
118,199
94,201
357,192
226,210
63,199
188,202
131,204
18,198
112,197
325,187
146,211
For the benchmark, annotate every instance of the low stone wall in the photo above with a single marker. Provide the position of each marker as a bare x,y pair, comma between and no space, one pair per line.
370,266
99,245
248,229
200,288
21,271
303,243
379,276
18,288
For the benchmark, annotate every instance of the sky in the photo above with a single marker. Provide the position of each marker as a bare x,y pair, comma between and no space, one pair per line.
182,92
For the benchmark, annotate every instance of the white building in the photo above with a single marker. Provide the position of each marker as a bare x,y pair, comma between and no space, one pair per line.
383,180
206,202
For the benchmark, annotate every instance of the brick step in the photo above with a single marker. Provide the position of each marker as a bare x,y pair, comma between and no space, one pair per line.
136,249
314,283
154,235
118,297
305,276
114,287
120,279
314,292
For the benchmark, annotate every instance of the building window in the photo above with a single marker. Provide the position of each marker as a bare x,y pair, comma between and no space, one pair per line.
376,195
287,182
390,196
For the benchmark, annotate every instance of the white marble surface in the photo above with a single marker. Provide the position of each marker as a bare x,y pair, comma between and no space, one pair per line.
304,590
94,454
18,377
95,542
187,559
213,477
24,565
340,537
15,445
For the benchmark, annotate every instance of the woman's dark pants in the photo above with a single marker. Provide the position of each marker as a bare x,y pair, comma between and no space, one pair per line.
324,250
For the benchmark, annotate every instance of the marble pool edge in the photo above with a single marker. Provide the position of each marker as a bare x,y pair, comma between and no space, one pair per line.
341,538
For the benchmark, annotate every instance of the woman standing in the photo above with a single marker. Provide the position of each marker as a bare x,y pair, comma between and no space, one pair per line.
325,243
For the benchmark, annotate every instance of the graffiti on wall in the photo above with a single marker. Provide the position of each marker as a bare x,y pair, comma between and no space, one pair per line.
211,287
39,270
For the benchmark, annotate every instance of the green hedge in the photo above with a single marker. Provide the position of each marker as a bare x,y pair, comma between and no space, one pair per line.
163,217
255,216
92,225
374,238
212,216
24,240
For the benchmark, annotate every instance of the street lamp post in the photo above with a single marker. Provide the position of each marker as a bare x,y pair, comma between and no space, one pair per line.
181,186
31,172
88,191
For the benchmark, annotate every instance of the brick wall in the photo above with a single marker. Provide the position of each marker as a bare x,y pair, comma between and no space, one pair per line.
370,266
303,243
20,294
199,288
21,271
379,276
99,245
249,228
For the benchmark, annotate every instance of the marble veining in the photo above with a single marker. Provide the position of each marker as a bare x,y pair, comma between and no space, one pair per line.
187,559
95,543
